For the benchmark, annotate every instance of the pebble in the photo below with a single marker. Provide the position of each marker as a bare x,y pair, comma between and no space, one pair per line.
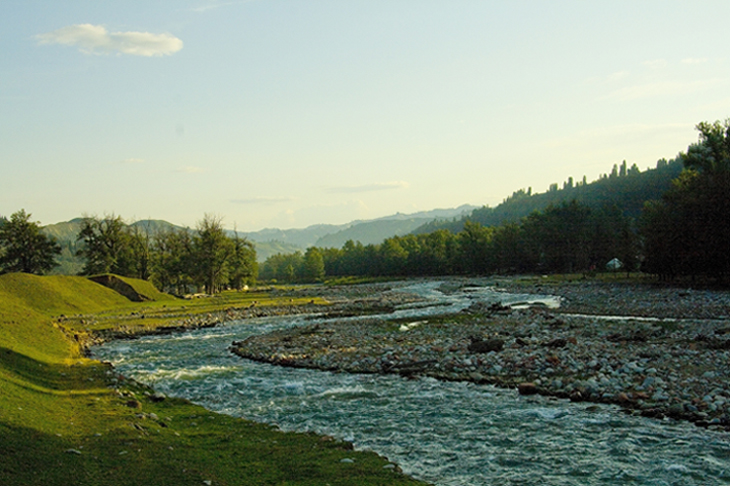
675,366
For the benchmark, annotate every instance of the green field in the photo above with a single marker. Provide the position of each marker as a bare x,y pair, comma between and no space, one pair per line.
65,419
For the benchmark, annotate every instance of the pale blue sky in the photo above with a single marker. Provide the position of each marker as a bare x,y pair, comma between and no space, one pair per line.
290,113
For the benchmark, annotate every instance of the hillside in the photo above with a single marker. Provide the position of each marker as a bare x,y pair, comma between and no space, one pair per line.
268,241
300,238
371,232
628,189
66,419
377,230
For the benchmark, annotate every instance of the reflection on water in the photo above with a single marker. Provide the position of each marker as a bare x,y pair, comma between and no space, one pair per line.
445,433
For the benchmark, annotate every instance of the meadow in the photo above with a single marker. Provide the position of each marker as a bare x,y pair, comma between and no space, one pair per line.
67,419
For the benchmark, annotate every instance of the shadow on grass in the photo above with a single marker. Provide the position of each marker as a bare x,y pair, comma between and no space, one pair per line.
50,376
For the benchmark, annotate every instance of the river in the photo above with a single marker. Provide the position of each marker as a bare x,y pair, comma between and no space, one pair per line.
446,433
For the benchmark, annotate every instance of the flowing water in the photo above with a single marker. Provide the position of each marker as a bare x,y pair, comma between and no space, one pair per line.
444,433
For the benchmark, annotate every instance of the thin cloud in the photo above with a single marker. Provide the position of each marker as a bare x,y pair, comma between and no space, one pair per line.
383,186
190,170
263,200
96,39
694,60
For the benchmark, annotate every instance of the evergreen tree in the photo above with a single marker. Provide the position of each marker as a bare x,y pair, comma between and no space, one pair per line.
688,231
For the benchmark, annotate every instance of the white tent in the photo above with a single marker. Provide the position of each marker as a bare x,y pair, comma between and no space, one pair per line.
614,264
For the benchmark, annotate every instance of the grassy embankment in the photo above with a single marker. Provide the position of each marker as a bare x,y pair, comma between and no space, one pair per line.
65,419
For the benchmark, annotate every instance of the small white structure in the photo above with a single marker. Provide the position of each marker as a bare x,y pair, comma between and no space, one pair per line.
614,264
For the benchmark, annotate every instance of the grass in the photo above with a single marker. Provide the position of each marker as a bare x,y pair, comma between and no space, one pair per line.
359,280
170,312
66,420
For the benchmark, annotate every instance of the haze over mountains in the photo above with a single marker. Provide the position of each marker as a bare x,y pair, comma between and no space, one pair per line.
271,241
626,188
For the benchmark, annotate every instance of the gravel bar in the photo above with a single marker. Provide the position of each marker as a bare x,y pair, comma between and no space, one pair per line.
656,351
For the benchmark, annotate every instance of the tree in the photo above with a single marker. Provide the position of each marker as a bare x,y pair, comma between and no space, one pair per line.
243,266
476,244
558,237
140,245
105,246
393,257
213,251
711,155
312,269
24,248
172,260
688,231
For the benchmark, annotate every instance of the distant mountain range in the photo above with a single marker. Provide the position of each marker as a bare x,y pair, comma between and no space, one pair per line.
271,241
366,232
626,188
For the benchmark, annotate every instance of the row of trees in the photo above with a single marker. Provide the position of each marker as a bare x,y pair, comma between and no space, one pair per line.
176,260
295,267
687,232
565,238
684,232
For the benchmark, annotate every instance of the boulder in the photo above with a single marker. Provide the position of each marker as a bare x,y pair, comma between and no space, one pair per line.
557,343
485,346
527,388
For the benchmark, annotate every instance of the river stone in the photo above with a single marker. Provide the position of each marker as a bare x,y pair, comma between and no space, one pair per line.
486,346
527,388
557,343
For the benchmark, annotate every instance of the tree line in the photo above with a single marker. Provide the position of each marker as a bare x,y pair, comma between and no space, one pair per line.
682,232
567,237
175,260
625,186
685,232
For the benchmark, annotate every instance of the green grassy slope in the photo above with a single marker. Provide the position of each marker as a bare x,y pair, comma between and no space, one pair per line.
67,420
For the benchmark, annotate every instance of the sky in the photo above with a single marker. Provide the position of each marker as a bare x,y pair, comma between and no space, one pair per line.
285,114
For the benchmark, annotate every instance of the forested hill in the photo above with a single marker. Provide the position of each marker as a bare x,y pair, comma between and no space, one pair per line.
66,234
377,230
627,188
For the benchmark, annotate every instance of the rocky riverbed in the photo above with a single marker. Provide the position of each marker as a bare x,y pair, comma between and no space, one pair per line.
668,355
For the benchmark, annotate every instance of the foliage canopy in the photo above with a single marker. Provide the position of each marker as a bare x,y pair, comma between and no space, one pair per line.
24,248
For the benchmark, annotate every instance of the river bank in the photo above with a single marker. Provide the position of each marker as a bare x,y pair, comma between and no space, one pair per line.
65,418
667,356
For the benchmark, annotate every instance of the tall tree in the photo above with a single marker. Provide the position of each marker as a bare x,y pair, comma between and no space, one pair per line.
476,243
105,246
243,266
213,251
688,231
23,248
172,260
312,269
140,245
